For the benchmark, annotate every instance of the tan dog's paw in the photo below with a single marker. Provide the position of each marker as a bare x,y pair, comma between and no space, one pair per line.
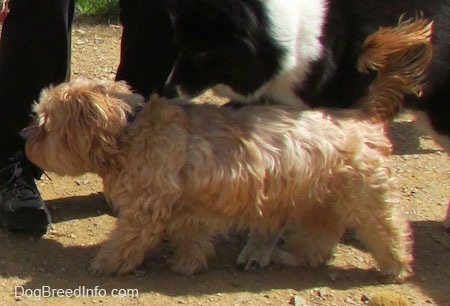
258,250
101,266
190,260
125,250
396,274
108,263
187,265
258,257
284,259
193,245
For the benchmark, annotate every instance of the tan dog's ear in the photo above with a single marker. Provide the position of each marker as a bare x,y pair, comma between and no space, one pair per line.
78,111
100,114
122,91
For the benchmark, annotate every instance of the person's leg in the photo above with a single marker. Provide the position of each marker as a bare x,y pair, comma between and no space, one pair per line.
147,52
33,54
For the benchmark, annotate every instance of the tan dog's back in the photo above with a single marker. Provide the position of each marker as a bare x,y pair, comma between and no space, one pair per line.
252,162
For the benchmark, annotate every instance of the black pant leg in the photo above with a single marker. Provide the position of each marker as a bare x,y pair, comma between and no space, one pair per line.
33,54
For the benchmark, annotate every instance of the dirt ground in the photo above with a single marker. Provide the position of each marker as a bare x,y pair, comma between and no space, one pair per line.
31,269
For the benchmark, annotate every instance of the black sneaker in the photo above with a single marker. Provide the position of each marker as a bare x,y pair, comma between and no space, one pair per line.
21,207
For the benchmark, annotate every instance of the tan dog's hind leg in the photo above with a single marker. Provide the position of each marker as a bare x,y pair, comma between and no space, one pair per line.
258,250
387,236
315,238
126,248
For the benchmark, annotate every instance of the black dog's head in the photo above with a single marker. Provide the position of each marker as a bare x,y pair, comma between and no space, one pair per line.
222,42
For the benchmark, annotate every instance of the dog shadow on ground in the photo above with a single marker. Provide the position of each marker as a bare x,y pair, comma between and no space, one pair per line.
50,263
79,207
432,259
405,137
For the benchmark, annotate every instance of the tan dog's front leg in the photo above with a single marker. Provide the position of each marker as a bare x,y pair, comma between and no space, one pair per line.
193,243
126,248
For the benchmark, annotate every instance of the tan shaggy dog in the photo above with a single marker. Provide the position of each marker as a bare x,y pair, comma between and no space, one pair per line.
189,171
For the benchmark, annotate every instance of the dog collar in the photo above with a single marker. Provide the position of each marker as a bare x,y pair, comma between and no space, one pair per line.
136,110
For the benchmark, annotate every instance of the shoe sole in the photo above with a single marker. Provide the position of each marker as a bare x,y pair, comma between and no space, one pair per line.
27,220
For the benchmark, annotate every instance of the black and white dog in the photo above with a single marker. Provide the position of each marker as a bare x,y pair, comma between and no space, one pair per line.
300,51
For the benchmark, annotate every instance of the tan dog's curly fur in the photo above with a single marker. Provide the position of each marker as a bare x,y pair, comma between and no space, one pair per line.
188,172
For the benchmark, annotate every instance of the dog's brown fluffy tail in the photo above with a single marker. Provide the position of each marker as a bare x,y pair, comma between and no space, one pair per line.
401,56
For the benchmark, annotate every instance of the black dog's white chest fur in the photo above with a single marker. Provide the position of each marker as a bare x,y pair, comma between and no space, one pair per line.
246,49
296,28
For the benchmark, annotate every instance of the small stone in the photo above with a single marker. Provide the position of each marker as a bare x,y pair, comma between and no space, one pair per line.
298,301
364,298
98,40
387,298
139,273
